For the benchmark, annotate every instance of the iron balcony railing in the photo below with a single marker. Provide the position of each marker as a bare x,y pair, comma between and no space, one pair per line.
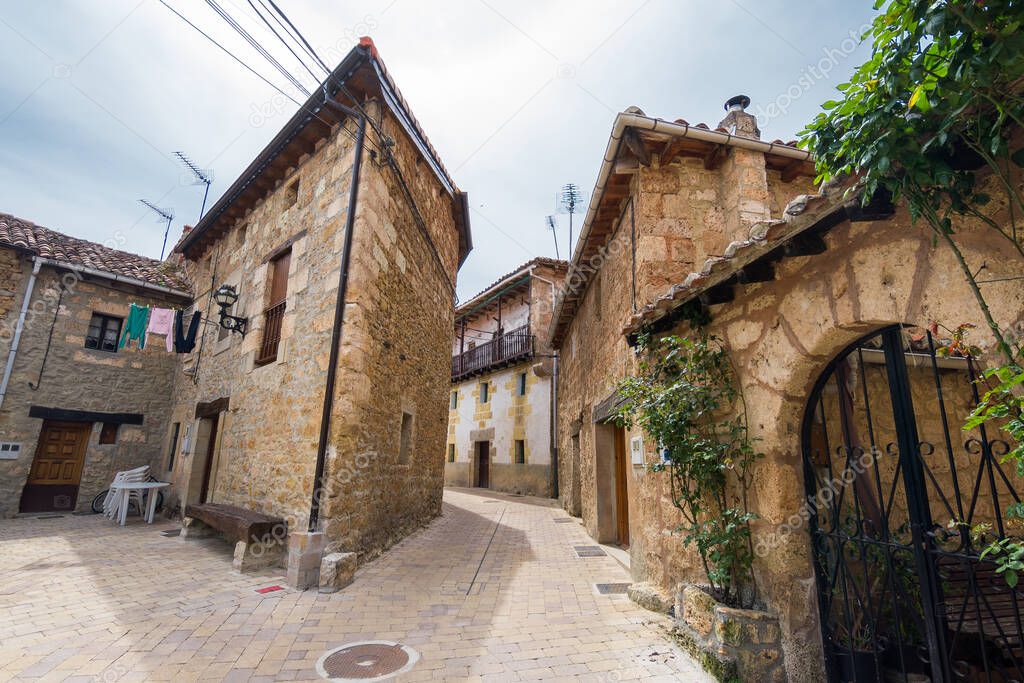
505,349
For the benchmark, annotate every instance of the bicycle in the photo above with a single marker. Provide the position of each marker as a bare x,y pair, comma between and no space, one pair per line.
97,502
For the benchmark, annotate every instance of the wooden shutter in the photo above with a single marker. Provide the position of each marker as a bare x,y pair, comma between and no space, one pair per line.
279,285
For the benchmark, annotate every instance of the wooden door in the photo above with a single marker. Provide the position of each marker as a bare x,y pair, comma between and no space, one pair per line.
211,449
483,466
621,491
56,467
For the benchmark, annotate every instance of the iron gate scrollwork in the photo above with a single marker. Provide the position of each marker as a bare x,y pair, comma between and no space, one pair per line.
895,488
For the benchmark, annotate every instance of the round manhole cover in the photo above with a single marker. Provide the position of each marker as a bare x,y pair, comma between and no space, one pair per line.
375,660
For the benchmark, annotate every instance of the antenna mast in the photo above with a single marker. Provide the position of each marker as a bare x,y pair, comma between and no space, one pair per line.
569,199
554,233
204,176
167,215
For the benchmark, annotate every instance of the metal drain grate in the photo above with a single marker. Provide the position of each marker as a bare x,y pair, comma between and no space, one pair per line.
588,551
50,517
171,533
374,660
563,520
612,588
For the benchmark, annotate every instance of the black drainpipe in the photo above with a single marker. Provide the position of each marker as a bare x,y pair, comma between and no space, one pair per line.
339,316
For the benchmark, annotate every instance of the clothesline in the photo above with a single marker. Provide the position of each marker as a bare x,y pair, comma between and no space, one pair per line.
143,320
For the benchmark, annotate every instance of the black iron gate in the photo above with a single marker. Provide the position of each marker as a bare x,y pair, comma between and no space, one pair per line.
894,489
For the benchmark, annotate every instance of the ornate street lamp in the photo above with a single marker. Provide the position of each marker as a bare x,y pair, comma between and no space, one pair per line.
226,297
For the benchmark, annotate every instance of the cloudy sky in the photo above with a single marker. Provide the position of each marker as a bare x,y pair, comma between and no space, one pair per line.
518,97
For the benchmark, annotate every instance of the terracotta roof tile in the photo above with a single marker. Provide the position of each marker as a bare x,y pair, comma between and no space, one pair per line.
538,261
35,239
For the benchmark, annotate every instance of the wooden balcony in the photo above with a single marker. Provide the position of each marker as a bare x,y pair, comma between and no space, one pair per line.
511,347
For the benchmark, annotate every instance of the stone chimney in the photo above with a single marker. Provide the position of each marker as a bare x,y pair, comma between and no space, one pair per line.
744,181
737,121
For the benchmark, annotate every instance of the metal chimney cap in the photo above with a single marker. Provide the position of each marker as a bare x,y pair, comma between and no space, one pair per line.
738,102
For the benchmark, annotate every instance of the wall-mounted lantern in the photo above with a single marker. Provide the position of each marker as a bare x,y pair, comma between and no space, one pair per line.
226,297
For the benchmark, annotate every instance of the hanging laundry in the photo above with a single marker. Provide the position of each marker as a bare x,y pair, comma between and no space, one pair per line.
135,326
161,321
184,343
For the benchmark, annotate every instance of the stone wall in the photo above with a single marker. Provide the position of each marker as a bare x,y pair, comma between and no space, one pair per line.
394,355
781,335
76,378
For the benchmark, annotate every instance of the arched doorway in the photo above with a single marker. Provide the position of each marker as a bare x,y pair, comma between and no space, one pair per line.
894,487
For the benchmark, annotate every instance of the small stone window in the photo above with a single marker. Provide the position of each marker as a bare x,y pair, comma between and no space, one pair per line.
520,452
455,400
104,332
291,194
405,440
521,384
484,393
451,452
108,433
175,432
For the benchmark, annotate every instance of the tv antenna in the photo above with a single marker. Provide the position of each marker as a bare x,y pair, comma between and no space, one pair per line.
204,176
569,200
165,214
554,233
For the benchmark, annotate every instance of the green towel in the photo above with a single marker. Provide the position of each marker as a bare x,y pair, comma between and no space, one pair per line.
135,326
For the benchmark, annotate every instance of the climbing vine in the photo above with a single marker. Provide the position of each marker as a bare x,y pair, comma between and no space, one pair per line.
935,108
685,398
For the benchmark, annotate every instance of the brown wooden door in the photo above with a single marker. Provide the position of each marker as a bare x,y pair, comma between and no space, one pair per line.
56,471
483,467
60,454
211,449
621,491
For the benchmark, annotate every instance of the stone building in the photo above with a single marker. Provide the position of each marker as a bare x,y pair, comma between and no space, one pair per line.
75,409
823,305
501,406
342,241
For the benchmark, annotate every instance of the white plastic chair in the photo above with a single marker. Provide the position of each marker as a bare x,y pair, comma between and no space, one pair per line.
112,503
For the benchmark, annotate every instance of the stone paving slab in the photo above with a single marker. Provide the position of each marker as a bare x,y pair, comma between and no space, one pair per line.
490,591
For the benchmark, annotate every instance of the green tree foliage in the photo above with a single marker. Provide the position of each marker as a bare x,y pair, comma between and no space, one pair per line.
939,100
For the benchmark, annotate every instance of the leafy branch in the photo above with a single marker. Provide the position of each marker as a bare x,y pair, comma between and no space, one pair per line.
685,398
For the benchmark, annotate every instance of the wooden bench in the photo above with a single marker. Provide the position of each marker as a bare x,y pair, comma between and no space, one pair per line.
259,539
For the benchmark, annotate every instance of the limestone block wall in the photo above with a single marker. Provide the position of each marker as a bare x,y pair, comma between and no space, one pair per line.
390,420
264,453
505,418
781,335
76,378
393,363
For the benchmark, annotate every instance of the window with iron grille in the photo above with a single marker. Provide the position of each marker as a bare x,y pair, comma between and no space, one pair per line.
274,313
104,331
520,452
451,452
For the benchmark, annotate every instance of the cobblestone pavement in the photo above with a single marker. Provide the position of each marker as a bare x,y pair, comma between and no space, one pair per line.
490,591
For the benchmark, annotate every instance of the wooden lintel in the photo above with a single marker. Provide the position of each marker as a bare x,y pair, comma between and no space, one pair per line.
637,147
759,271
715,157
719,294
805,245
626,166
792,170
